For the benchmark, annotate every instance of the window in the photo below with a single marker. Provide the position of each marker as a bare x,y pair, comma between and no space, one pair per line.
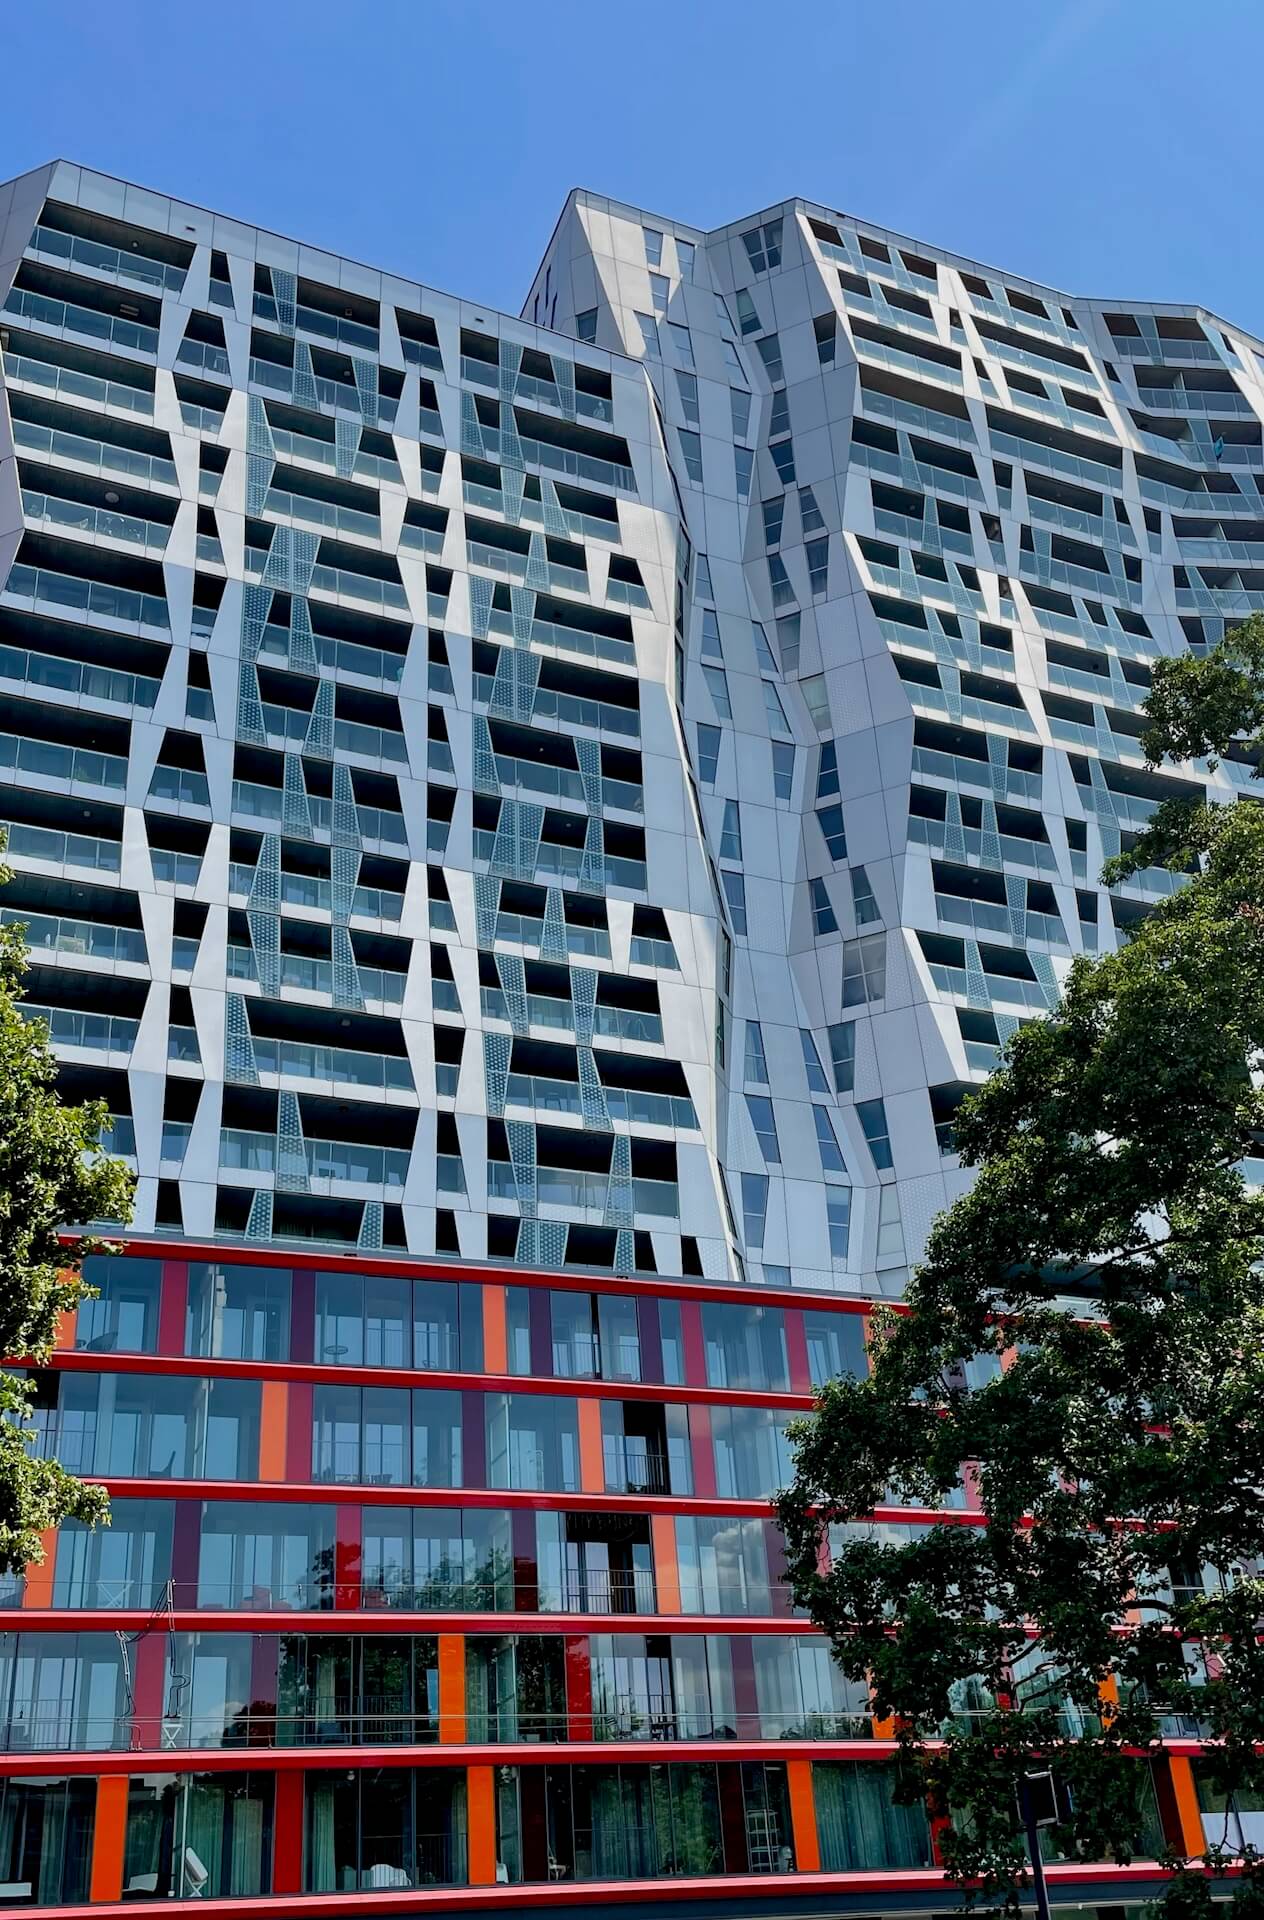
759,1106
702,579
740,411
735,894
890,1231
685,251
763,652
814,693
710,641
779,580
830,820
783,459
863,900
782,770
818,567
836,1341
838,1220
754,1209
691,449
810,516
827,1140
747,317
770,353
743,462
823,920
731,832
653,239
865,970
649,334
827,771
586,324
660,287
774,511
708,753
755,1066
763,246
779,418
718,688
732,362
817,1083
687,387
873,1118
775,711
825,326
682,342
788,630
842,1043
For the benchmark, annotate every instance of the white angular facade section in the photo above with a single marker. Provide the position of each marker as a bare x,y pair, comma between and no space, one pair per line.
948,518
591,788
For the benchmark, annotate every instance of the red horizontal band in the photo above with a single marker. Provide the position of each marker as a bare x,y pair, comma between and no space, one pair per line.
420,1267
401,1621
70,1360
758,1888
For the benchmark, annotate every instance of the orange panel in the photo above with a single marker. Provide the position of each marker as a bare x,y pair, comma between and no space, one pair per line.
451,1689
38,1591
1186,1794
592,1464
64,1338
481,1803
666,1570
807,1846
108,1836
273,1429
495,1338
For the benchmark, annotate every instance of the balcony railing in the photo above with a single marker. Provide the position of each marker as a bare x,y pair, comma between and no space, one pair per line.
69,384
148,536
75,1027
47,933
100,456
51,244
45,759
65,590
297,1059
326,1159
87,322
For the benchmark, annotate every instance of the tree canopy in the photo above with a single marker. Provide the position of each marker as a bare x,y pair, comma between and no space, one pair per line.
1084,1339
52,1172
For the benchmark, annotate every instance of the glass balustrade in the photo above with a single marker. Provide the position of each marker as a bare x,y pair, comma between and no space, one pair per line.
45,759
88,322
326,1159
63,590
74,1027
101,456
77,676
51,244
72,516
69,384
51,845
49,933
297,1059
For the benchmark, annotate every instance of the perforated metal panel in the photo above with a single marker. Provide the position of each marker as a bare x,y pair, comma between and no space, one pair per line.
239,1051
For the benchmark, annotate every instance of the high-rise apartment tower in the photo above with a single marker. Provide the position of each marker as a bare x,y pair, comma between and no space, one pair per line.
533,825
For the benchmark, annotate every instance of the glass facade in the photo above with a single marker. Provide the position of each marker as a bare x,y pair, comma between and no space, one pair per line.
524,1131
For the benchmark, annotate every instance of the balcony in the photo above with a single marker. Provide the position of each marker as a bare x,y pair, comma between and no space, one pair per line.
338,657
46,760
96,456
327,1160
352,335
308,890
73,516
344,1066
49,243
83,323
86,939
78,677
309,973
583,1192
52,847
67,383
57,593
75,1027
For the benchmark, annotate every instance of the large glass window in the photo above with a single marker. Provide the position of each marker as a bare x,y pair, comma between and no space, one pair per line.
836,1345
386,1827
126,1564
149,1427
191,1835
357,1690
746,1347
515,1687
124,1316
631,1823
46,1841
753,1460
723,1566
238,1312
386,1436
859,1825
256,1554
532,1442
63,1692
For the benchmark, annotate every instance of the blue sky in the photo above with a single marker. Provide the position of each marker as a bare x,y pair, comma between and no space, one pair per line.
1093,144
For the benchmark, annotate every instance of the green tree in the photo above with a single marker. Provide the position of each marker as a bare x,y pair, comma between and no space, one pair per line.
52,1172
1110,1250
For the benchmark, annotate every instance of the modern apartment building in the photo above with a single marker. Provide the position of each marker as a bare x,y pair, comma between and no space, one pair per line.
533,825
